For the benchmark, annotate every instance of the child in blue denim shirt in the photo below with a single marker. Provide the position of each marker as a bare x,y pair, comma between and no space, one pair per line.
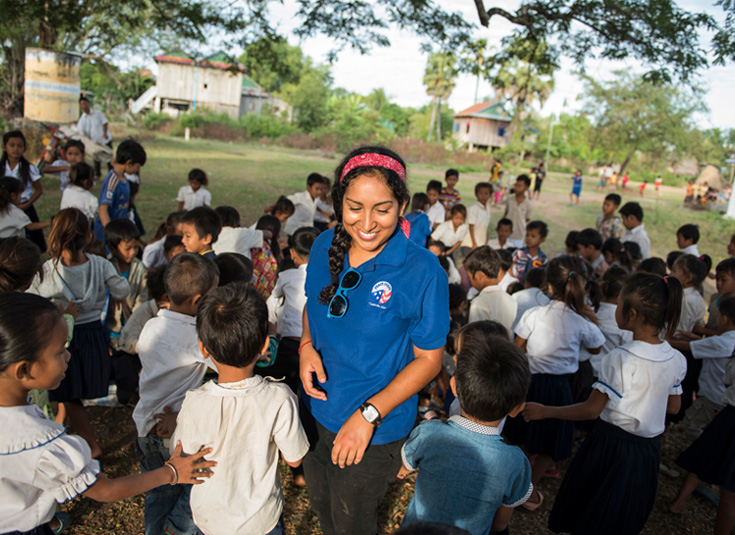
479,484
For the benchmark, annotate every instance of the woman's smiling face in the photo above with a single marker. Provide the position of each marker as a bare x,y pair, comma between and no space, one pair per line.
370,213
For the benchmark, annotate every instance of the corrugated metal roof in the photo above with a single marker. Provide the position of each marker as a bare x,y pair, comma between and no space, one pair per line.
485,110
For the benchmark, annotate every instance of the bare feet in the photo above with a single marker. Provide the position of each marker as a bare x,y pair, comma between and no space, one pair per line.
678,507
299,481
96,452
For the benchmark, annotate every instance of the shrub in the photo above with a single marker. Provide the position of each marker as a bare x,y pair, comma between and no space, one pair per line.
154,121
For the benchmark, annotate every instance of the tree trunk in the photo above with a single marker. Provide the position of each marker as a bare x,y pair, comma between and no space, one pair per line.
627,160
12,100
433,117
439,119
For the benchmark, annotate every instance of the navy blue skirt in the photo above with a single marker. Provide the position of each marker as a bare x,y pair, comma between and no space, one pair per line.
40,530
712,456
610,487
88,374
549,437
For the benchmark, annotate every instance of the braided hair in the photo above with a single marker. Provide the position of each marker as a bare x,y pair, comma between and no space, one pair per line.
342,240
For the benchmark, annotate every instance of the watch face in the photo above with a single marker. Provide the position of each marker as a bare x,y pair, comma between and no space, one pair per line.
370,413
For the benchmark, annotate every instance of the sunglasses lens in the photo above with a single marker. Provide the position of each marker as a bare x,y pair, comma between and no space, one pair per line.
350,280
337,306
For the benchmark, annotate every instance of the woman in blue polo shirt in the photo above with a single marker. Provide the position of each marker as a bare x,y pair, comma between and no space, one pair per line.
376,319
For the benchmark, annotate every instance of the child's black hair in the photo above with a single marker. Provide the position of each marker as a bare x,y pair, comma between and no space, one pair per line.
485,260
535,277
457,296
618,252
615,198
24,167
504,222
283,205
76,143
492,377
20,261
458,209
525,179
156,288
612,281
302,240
506,258
233,267
570,242
228,216
483,185
171,242
434,185
653,265
656,299
69,232
543,228
431,528
130,151
444,263
187,275
419,202
634,209
515,287
271,223
232,324
589,236
9,186
634,252
451,172
316,178
697,267
727,309
689,232
436,243
483,330
205,221
120,230
671,258
565,275
82,175
24,322
197,175
726,266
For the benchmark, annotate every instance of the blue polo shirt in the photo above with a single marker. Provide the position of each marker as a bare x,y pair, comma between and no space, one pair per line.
115,194
401,301
420,228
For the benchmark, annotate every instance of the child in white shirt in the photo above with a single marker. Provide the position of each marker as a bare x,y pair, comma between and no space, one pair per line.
194,195
484,269
236,239
305,204
77,194
73,154
632,216
686,239
478,218
691,272
452,232
246,419
436,212
13,220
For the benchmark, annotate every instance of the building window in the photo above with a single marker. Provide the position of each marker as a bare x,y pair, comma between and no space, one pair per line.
206,85
456,127
467,131
501,131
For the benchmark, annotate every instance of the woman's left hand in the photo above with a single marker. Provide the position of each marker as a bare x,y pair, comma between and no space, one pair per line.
352,440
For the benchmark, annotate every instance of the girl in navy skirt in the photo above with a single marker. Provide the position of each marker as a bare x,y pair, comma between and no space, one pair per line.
552,336
70,276
711,458
610,486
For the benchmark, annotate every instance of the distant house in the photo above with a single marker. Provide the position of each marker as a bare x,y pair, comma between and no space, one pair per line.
217,82
482,126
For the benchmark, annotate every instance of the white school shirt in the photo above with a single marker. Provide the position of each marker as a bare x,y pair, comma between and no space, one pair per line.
172,365
554,335
193,199
324,207
448,235
640,236
693,309
41,466
290,289
81,199
303,215
614,336
436,214
34,173
238,240
493,303
528,298
494,244
246,424
130,332
453,274
715,352
479,216
638,379
691,249
507,280
728,398
64,178
13,222
154,255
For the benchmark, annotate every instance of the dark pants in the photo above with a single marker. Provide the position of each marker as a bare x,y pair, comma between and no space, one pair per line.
40,530
346,499
36,236
688,386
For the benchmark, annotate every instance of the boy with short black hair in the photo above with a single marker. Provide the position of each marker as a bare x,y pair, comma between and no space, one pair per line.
452,232
518,210
153,254
589,245
478,218
305,204
686,239
608,224
484,269
201,227
531,255
172,365
478,489
238,409
436,212
503,229
449,195
506,263
635,232
122,240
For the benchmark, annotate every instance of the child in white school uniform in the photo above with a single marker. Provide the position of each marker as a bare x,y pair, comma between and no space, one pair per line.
73,154
246,419
452,232
532,295
40,464
13,221
194,195
610,487
484,270
236,239
77,194
552,337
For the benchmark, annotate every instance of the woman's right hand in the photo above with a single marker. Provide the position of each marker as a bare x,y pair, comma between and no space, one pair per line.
310,363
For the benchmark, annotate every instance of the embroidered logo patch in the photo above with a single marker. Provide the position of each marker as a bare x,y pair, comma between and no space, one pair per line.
382,292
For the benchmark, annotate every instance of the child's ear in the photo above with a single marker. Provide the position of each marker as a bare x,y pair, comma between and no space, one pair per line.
543,239
453,385
207,239
515,411
266,346
206,354
20,371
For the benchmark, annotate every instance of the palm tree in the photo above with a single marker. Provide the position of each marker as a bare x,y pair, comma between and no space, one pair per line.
439,81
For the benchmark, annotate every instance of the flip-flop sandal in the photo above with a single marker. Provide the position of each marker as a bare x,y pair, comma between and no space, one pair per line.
64,522
708,494
553,473
532,506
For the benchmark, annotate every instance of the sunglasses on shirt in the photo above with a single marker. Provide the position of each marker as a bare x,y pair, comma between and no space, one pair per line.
339,304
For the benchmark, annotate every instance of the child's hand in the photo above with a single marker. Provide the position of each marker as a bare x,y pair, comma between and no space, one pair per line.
533,411
686,336
403,472
118,304
72,309
166,423
190,468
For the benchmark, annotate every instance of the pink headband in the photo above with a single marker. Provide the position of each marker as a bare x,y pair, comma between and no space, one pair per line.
371,159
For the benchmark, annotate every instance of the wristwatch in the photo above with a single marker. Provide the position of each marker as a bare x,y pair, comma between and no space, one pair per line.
371,414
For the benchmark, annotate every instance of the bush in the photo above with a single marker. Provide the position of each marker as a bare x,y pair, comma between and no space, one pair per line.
265,125
154,121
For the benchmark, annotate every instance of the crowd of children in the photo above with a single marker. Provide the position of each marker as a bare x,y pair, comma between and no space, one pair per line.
603,342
